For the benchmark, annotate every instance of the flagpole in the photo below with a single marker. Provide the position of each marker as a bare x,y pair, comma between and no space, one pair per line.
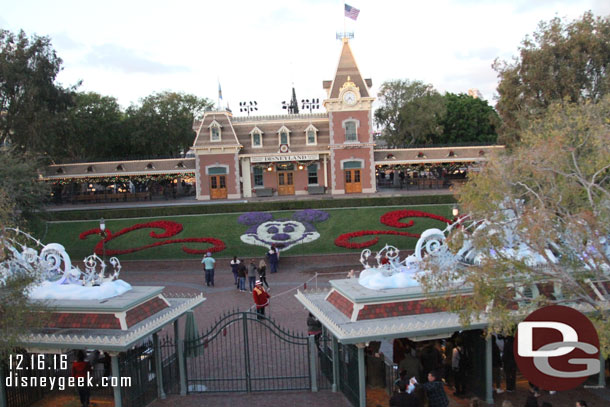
344,29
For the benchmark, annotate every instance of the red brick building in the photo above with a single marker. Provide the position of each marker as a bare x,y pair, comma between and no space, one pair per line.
292,154
289,154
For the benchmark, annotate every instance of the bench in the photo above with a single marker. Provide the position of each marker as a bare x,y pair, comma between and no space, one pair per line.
316,190
262,192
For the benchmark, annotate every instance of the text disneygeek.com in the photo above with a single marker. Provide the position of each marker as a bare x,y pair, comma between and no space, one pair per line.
61,382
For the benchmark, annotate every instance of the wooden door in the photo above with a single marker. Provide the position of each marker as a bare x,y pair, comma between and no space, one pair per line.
353,184
218,186
285,183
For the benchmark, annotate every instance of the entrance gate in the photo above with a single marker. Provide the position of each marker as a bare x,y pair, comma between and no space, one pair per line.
241,353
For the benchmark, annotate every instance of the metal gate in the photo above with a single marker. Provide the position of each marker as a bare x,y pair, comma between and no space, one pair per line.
241,353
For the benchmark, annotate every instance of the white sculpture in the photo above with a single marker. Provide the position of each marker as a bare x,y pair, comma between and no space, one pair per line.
54,275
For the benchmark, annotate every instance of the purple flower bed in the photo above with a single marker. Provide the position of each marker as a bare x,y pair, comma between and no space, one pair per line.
254,218
311,216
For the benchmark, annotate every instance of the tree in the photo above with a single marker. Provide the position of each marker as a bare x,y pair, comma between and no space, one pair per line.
19,181
16,310
409,113
562,61
93,130
468,120
549,198
162,124
30,101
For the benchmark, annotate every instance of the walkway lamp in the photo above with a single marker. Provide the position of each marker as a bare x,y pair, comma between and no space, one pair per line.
103,233
455,211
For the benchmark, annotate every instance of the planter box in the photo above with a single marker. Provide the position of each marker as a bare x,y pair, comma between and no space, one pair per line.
261,192
320,190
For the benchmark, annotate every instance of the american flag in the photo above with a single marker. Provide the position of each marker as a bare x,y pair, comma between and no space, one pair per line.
351,12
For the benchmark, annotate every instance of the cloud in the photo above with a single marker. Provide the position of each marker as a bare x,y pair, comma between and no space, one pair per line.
63,41
115,57
486,53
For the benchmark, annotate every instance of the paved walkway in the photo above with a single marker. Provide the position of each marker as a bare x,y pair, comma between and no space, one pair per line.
185,276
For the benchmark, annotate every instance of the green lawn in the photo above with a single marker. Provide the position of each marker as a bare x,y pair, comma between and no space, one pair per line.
226,228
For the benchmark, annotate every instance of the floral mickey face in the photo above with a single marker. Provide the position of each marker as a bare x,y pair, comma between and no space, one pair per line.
283,233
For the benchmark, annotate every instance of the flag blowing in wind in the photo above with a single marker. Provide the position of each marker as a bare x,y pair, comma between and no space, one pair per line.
351,12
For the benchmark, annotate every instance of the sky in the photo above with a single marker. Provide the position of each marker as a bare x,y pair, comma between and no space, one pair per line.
257,50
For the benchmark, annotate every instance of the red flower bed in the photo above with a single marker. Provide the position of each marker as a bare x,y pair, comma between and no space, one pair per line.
390,219
344,239
393,218
170,229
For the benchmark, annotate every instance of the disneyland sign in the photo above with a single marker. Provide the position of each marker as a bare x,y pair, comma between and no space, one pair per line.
290,157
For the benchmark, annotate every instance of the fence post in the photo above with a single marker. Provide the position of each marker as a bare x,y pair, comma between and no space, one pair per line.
158,366
335,386
181,359
3,398
361,375
114,361
489,398
313,362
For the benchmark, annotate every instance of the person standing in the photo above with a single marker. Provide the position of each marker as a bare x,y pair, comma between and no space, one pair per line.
242,273
234,266
510,366
208,267
261,299
273,255
460,362
81,370
406,396
262,273
496,363
435,392
252,270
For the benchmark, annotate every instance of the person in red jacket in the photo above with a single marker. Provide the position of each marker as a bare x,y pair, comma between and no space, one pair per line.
261,299
82,369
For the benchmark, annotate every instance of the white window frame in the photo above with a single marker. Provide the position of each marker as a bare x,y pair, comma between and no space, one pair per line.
279,135
217,125
317,174
253,178
309,128
344,125
260,132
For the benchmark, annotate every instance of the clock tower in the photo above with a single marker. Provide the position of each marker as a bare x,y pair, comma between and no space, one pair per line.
349,107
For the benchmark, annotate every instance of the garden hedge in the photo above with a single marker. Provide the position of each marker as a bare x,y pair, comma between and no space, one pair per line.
199,209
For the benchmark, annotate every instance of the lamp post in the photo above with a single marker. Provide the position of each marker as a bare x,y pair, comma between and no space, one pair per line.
455,211
103,233
248,107
311,105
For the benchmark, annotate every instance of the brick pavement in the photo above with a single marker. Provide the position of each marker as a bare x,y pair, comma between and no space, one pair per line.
185,276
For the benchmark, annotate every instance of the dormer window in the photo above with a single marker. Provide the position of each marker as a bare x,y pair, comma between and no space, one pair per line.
120,167
257,137
215,131
311,135
283,136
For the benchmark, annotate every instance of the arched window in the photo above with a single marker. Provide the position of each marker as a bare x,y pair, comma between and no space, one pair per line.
215,133
311,135
257,137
